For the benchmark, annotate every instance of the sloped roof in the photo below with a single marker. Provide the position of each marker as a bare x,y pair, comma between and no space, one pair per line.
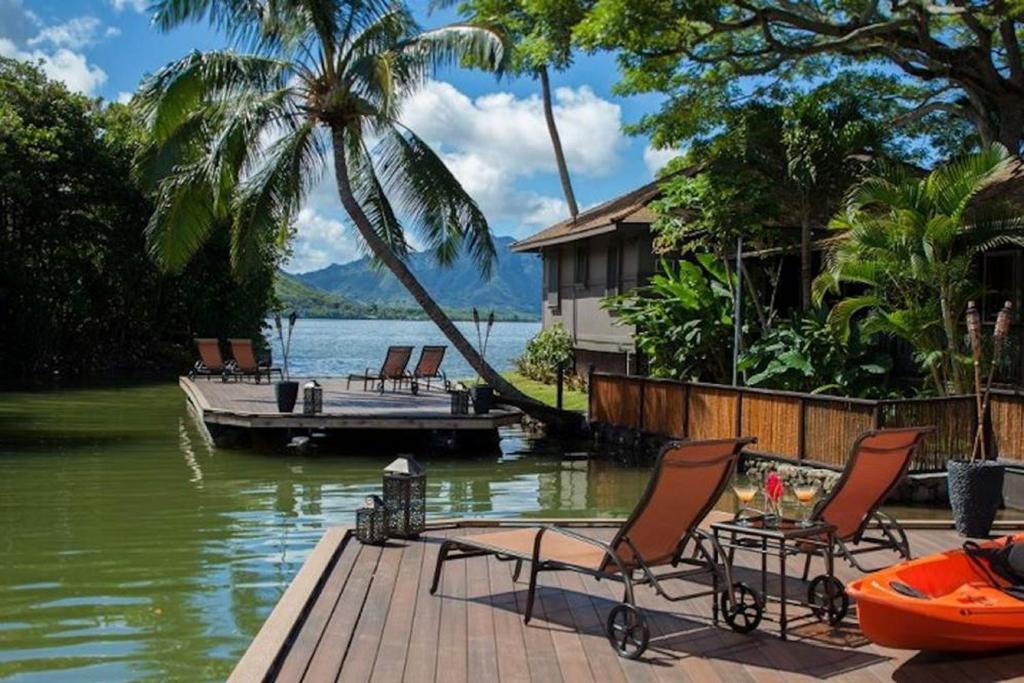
631,207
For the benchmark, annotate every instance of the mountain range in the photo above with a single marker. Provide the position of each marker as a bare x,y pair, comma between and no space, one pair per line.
359,289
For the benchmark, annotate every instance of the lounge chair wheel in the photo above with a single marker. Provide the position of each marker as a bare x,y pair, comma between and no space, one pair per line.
828,599
627,631
746,610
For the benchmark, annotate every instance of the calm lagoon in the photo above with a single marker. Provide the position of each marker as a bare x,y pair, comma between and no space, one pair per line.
132,549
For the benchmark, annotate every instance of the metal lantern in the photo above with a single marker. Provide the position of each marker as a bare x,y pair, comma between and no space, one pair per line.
405,498
371,521
460,402
312,398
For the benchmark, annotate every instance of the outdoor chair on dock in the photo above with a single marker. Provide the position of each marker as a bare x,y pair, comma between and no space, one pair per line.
245,362
878,462
211,362
687,481
394,370
428,367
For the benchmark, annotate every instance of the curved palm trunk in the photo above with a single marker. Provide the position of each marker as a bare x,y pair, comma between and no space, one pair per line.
556,143
409,281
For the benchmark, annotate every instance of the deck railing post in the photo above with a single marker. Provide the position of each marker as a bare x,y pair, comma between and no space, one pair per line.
559,383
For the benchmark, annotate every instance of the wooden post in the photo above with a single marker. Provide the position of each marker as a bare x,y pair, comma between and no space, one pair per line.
559,383
801,434
739,413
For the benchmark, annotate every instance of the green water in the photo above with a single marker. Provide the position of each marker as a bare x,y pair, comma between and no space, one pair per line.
131,549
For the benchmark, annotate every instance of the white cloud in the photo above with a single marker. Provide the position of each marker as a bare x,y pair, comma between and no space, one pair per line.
124,97
140,6
495,140
58,47
63,65
655,159
74,34
320,241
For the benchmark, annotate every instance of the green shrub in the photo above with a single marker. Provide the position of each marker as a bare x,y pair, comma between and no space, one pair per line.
545,352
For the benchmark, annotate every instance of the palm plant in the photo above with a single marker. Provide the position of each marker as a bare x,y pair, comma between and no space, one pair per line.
908,246
239,136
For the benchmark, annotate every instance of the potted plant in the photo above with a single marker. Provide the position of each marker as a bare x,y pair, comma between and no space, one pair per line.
286,391
482,394
976,483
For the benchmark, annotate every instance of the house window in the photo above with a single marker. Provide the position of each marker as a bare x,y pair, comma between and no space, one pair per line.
581,275
1001,280
551,264
613,281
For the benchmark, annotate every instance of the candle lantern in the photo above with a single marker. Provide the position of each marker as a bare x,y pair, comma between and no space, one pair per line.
371,521
460,402
405,498
312,398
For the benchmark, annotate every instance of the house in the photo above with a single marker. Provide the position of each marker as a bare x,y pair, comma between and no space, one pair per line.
605,251
608,250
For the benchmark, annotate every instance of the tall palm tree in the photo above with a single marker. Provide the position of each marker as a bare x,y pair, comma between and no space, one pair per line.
908,248
241,136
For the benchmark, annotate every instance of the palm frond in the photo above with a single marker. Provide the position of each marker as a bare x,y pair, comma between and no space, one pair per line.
370,194
953,185
445,216
268,200
484,46
182,219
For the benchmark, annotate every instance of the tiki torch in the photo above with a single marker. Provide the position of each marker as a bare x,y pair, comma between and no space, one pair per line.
1002,331
974,334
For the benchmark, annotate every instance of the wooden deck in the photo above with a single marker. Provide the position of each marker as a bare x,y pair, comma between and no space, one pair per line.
249,405
363,613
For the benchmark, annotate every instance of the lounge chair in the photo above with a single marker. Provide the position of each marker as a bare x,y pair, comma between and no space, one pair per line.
428,367
211,362
393,369
687,481
878,462
245,363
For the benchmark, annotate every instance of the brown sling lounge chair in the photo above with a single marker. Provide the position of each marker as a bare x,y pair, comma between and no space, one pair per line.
878,461
687,481
393,369
245,363
428,367
211,362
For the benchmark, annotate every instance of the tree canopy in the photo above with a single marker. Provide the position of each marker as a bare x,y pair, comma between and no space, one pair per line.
926,63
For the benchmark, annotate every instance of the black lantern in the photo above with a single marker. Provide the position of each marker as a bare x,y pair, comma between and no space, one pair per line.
405,498
460,402
371,521
312,398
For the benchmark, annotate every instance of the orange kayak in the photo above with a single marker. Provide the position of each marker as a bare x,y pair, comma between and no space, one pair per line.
939,602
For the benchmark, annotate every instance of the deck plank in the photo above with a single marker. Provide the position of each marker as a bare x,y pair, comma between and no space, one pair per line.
372,618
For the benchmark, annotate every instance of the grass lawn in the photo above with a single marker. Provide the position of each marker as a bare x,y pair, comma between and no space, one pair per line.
545,393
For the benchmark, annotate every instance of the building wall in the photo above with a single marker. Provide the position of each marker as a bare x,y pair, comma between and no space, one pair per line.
577,302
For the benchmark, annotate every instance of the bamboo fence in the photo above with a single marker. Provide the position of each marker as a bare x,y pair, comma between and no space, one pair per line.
814,428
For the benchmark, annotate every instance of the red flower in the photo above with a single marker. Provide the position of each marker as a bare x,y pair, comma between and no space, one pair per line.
773,487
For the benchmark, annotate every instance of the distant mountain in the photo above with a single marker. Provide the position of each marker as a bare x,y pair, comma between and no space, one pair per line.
514,288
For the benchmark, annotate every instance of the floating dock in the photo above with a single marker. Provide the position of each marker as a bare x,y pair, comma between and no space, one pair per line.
362,613
238,411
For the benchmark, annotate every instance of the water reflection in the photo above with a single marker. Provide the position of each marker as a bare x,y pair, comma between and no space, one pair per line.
134,549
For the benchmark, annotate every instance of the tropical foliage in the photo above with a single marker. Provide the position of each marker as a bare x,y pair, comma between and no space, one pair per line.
925,65
78,297
807,354
242,136
548,350
683,319
906,254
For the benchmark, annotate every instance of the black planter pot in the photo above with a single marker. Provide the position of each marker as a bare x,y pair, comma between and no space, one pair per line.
286,393
975,491
483,399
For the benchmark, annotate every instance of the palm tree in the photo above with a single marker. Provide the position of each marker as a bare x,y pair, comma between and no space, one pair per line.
909,246
241,136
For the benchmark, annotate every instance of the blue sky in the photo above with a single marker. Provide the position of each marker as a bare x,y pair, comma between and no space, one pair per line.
491,133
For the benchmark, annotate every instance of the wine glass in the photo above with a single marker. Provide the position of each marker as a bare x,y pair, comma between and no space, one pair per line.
805,494
745,489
